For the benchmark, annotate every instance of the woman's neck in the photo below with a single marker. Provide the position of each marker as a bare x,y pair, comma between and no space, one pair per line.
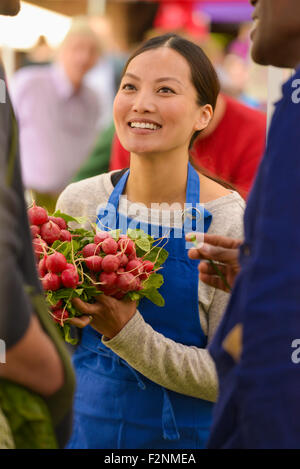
157,179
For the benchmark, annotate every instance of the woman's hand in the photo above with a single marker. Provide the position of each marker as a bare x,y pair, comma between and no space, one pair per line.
107,316
216,248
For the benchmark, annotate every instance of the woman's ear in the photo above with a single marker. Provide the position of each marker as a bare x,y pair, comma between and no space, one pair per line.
205,116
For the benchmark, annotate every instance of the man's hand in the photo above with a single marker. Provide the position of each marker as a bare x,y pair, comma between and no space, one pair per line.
219,249
107,316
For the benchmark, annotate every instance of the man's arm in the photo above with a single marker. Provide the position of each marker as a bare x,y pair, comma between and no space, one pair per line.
33,362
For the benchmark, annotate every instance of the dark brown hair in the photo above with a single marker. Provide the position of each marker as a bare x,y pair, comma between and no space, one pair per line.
203,74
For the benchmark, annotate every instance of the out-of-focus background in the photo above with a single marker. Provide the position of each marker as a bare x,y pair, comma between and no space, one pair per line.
221,27
106,32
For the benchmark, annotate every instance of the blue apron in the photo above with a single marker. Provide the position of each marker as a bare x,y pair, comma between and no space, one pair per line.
117,407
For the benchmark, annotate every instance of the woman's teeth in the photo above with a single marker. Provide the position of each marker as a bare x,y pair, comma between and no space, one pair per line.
144,125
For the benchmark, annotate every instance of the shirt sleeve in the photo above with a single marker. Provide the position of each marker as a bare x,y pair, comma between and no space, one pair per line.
184,369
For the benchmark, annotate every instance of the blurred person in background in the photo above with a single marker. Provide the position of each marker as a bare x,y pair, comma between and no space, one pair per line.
57,115
40,54
37,364
104,77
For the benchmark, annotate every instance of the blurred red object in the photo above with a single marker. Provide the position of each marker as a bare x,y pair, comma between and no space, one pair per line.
176,15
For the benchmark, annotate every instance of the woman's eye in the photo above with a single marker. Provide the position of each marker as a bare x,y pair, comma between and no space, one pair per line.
165,90
128,87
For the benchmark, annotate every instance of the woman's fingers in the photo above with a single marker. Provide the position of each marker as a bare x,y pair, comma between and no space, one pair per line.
86,308
81,322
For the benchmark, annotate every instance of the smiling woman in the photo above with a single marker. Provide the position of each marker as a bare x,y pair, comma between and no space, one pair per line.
150,382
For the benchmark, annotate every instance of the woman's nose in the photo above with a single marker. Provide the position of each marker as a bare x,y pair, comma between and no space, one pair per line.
143,102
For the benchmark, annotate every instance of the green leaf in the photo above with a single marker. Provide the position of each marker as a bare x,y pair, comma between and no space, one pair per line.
134,296
63,293
153,281
133,234
154,296
115,234
28,416
157,255
68,337
144,244
67,218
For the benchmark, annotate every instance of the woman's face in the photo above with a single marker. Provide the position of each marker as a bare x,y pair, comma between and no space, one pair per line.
155,109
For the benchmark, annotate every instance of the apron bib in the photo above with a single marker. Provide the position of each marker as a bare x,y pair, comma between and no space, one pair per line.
116,407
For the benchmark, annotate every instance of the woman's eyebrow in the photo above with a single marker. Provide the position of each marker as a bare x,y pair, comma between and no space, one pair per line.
131,75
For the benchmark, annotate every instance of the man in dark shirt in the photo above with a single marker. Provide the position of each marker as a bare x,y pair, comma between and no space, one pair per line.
35,355
254,347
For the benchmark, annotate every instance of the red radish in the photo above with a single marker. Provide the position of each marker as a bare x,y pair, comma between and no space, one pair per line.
148,266
60,315
135,267
110,263
109,246
58,305
65,235
51,282
123,259
42,269
35,230
39,245
119,295
50,232
132,257
100,236
126,245
60,222
70,266
126,282
37,215
144,275
108,279
109,291
70,278
138,284
90,250
93,263
56,262
120,270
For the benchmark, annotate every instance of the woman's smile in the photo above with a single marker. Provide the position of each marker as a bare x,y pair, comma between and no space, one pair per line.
143,127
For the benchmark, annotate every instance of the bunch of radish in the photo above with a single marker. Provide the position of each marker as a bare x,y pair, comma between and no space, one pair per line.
118,268
80,263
